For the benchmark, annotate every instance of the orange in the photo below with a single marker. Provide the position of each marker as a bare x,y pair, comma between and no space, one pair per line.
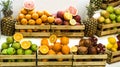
25,44
44,49
57,47
31,22
24,21
50,19
65,49
44,18
46,13
59,53
50,46
18,37
40,13
21,16
44,41
38,21
35,16
28,16
29,30
31,12
51,52
53,38
24,11
64,40
21,30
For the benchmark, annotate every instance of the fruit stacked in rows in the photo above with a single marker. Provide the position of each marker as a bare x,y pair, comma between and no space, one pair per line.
13,46
57,48
88,46
110,15
31,17
112,44
68,17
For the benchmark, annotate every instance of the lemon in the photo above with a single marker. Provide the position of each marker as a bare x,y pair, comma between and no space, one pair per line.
115,46
111,40
109,46
114,49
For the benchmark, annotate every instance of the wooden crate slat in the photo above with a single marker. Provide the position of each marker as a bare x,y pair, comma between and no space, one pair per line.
115,53
17,56
91,66
17,64
116,3
104,26
115,59
35,33
55,63
108,32
70,34
32,26
67,27
54,56
89,63
118,30
90,56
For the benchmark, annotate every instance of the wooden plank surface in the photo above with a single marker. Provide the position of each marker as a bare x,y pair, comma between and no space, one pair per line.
54,56
115,59
17,64
104,26
55,63
32,26
70,34
108,32
115,53
17,57
90,56
35,33
89,63
67,27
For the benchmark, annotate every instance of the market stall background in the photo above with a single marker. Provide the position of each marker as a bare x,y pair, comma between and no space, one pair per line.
53,6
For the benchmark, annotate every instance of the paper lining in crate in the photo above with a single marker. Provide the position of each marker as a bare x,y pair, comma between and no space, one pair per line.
113,56
68,30
33,30
89,60
106,29
17,60
51,60
111,3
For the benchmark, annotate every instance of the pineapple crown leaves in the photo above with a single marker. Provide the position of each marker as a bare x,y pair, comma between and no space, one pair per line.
7,5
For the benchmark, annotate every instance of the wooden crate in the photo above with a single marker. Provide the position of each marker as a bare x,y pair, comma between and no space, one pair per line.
68,30
113,57
89,60
111,3
105,29
34,34
52,62
4,63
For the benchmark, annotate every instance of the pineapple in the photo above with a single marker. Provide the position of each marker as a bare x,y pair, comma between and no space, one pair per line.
7,22
90,23
96,4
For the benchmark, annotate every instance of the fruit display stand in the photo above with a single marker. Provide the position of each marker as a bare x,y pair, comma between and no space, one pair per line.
34,34
106,29
31,63
67,62
68,30
113,57
111,2
89,60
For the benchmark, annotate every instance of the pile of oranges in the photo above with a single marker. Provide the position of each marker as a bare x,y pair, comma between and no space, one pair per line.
31,17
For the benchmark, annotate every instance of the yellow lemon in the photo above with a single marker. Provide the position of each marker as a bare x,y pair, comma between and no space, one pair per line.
109,46
114,49
115,46
111,40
